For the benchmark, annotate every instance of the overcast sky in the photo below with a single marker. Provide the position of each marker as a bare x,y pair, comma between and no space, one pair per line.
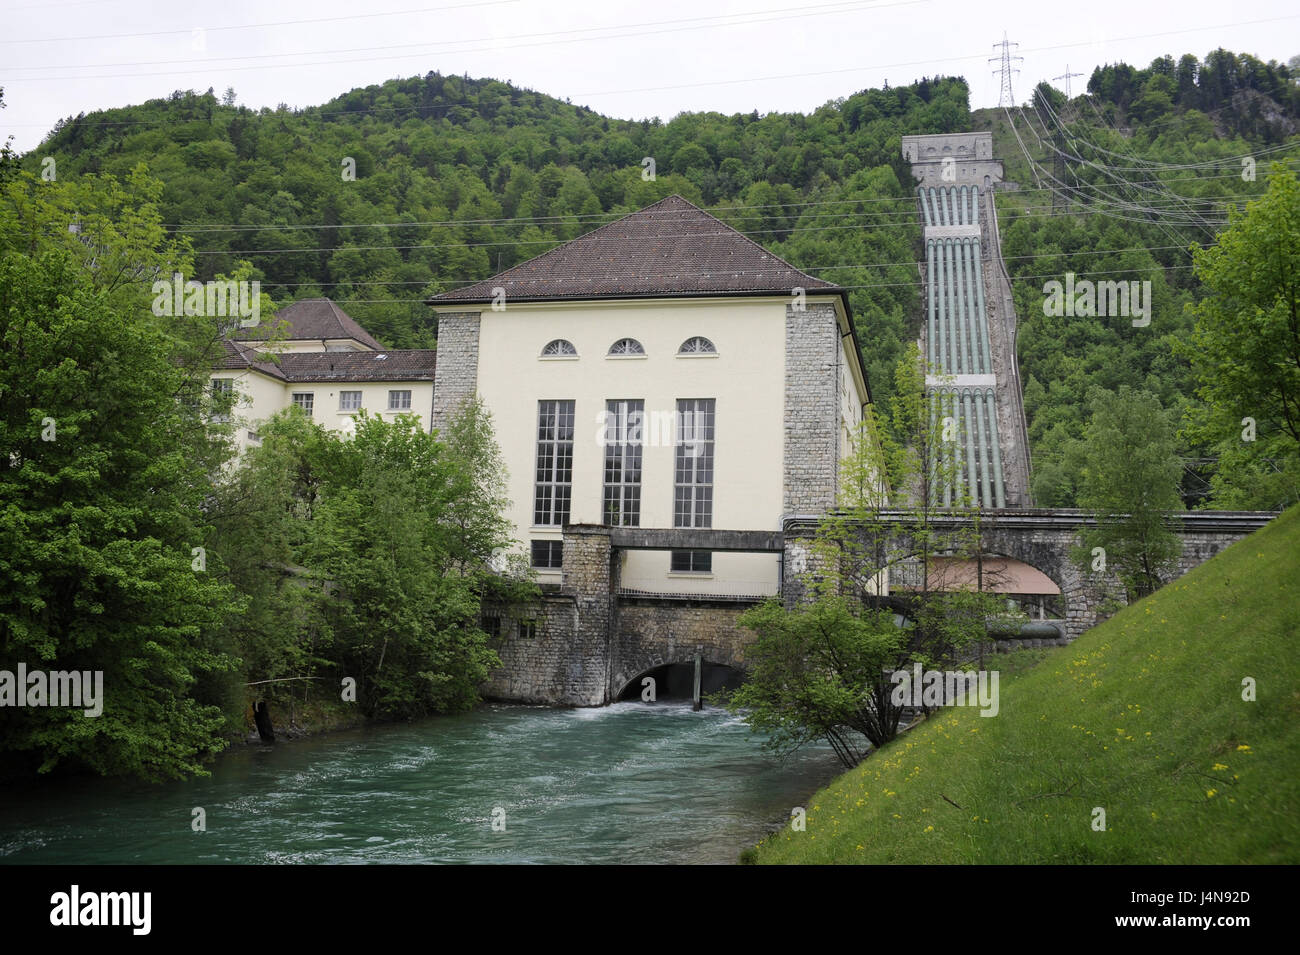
623,58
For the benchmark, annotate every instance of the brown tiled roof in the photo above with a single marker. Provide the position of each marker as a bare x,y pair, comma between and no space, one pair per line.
312,319
671,248
241,355
414,364
411,364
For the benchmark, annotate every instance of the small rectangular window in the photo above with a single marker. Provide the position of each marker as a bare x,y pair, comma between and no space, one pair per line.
528,629
692,562
304,400
223,396
399,401
492,626
548,555
349,401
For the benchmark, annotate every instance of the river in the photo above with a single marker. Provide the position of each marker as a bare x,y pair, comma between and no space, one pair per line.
627,783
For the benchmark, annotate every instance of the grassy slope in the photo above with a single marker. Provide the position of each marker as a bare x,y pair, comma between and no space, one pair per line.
1142,715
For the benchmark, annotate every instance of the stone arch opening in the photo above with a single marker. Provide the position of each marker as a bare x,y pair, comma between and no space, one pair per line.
1046,596
676,681
1072,608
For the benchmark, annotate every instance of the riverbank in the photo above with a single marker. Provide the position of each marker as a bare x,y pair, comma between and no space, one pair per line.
1135,744
304,721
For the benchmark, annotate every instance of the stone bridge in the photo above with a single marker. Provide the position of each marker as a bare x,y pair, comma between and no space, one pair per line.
586,643
1043,538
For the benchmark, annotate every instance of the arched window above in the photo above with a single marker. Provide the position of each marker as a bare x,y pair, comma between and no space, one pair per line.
699,345
626,346
559,348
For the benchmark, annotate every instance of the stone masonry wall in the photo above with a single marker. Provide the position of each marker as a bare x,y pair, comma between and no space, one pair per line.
589,576
588,645
811,409
455,376
652,633
559,664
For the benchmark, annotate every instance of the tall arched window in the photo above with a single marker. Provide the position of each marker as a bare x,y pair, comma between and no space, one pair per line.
626,346
560,348
699,345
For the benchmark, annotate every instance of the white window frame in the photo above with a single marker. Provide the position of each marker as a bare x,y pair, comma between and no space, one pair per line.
559,354
399,391
623,461
344,407
553,473
710,352
694,463
626,349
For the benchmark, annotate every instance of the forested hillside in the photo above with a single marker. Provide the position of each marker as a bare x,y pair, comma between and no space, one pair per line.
456,178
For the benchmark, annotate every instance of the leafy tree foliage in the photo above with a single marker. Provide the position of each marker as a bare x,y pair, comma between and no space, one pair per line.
129,545
366,556
101,505
1130,481
815,673
1245,350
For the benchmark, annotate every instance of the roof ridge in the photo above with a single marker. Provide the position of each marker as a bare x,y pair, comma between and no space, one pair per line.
585,235
335,311
671,246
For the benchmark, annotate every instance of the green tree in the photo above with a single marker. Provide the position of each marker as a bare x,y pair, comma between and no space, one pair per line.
1130,481
393,541
1245,349
815,672
102,488
369,556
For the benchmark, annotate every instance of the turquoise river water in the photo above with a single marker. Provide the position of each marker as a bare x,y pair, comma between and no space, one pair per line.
627,783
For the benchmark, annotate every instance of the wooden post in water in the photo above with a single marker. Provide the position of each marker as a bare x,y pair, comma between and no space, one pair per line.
698,666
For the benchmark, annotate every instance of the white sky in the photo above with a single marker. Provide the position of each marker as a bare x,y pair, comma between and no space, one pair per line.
622,58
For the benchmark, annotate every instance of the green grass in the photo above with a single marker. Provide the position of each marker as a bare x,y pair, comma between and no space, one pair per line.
1142,716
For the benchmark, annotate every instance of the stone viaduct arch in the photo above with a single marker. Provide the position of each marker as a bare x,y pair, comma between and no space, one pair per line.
586,642
1043,539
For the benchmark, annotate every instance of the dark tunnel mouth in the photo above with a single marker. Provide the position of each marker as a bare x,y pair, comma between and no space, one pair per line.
676,681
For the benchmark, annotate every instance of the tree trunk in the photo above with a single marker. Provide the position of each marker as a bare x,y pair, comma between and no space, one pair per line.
262,717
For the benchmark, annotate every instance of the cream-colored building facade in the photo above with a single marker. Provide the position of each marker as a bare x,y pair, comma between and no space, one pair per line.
692,379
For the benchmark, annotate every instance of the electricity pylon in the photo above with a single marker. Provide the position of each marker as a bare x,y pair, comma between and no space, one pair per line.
1006,100
1066,76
